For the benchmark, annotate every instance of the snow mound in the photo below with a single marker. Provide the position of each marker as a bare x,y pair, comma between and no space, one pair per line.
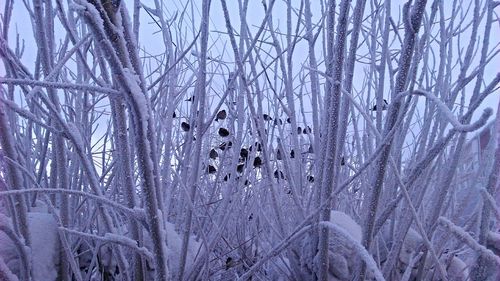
174,248
457,270
494,241
346,222
45,256
411,244
45,252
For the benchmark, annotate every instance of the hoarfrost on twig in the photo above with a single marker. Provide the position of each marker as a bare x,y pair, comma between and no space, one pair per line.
465,237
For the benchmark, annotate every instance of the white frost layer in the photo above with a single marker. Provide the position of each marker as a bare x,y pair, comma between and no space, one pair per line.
343,256
346,222
45,239
45,248
457,270
174,248
6,273
132,81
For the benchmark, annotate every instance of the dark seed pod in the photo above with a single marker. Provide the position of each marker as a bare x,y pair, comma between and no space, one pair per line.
342,161
299,130
223,132
307,130
229,263
240,168
259,146
267,117
227,177
292,154
278,154
191,99
221,115
224,145
250,217
185,126
277,122
384,106
257,162
310,178
174,115
247,182
279,174
310,150
211,169
244,153
288,120
213,153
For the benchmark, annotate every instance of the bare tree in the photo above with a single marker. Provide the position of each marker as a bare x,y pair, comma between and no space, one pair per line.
273,140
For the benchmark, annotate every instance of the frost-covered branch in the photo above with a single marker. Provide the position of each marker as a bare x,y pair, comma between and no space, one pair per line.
449,115
5,273
361,251
465,237
59,85
113,238
134,213
330,156
490,201
13,177
24,257
141,138
28,115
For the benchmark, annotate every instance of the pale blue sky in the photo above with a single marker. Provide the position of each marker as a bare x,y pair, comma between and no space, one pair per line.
150,39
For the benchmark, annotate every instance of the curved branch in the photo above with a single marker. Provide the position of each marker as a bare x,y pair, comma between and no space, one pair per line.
133,213
114,238
360,250
449,115
491,201
337,230
58,85
465,237
21,250
5,273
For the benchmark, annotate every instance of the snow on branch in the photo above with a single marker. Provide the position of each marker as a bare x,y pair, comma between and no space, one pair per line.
465,237
361,251
116,239
19,246
451,118
491,201
132,212
132,84
275,251
410,266
58,85
336,230
28,115
5,273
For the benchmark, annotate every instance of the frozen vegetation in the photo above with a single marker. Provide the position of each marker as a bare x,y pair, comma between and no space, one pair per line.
330,140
